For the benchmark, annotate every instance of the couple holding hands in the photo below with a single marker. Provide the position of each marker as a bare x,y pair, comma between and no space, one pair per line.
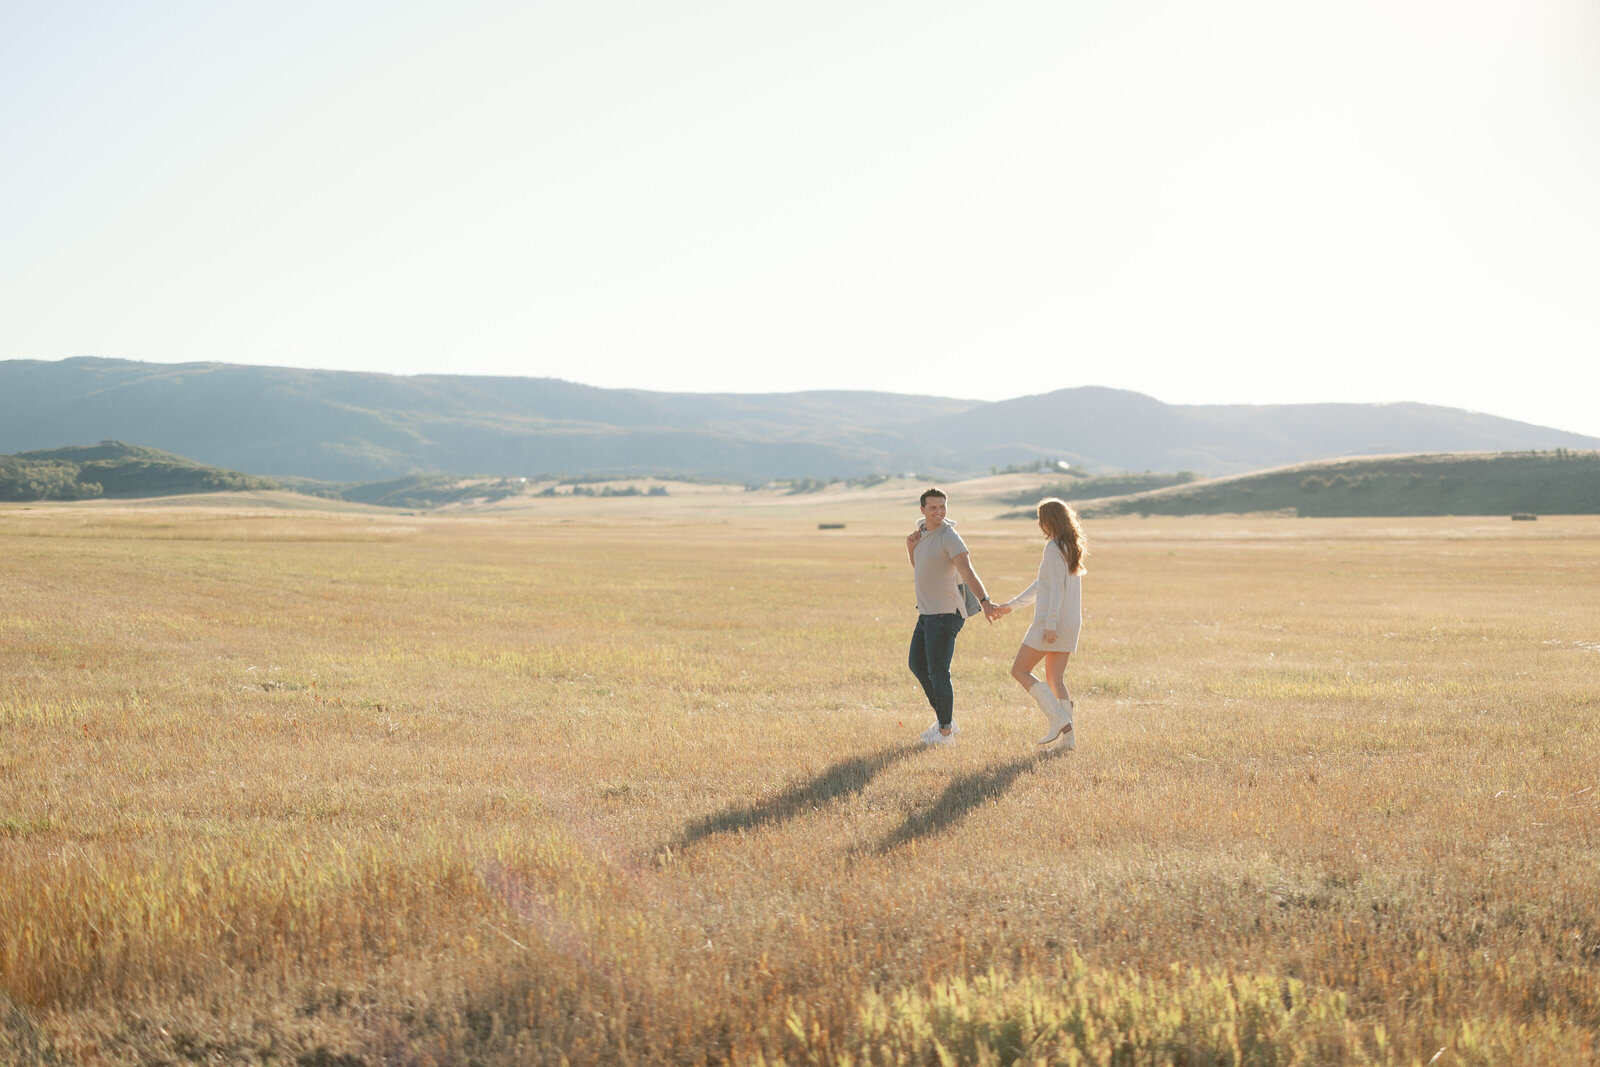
945,581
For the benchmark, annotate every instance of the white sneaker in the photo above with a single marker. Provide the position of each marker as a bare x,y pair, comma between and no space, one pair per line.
932,736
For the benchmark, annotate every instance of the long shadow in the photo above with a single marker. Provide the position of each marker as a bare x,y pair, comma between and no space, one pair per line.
962,796
840,780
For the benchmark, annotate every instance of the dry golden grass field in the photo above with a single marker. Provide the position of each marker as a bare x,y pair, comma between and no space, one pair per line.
639,784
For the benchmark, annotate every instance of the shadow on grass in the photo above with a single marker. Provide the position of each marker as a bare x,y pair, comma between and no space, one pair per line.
962,796
840,780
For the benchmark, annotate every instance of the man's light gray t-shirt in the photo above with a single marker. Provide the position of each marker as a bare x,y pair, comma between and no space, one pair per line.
936,574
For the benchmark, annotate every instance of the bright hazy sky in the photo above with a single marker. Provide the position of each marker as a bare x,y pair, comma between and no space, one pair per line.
1232,201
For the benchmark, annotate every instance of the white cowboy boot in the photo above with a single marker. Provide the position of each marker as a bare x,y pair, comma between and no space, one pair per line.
1059,718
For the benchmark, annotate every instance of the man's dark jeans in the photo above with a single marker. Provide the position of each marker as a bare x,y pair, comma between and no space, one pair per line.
933,645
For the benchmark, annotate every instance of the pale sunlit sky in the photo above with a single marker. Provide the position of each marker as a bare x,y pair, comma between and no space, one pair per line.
1244,201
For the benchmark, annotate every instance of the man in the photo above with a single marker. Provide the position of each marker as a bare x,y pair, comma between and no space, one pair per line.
939,562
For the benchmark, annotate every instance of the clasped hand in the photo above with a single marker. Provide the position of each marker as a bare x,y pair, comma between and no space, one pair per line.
993,611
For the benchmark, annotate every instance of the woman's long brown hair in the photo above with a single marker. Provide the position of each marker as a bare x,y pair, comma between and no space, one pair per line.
1062,526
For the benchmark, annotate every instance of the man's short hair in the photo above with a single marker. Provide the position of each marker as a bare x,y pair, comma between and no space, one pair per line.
926,493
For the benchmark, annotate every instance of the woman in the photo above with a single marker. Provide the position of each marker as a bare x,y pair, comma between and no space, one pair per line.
1057,596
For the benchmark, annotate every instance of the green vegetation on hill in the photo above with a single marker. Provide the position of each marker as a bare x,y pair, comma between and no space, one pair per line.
22,479
429,491
1092,488
1560,482
113,469
1043,464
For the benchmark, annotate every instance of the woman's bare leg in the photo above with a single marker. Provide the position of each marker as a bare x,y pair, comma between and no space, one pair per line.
1055,671
1022,667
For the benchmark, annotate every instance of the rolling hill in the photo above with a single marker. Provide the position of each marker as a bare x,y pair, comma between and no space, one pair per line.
114,469
1551,483
350,427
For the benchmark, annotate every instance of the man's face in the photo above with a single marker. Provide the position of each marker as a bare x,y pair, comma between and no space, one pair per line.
933,511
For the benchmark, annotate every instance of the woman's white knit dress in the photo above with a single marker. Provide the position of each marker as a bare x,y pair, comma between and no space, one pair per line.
1057,599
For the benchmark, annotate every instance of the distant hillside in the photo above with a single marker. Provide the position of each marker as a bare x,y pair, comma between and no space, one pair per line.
1117,430
345,427
1093,488
1544,483
425,491
113,469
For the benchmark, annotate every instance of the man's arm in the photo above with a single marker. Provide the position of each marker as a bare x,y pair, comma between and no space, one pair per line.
963,563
